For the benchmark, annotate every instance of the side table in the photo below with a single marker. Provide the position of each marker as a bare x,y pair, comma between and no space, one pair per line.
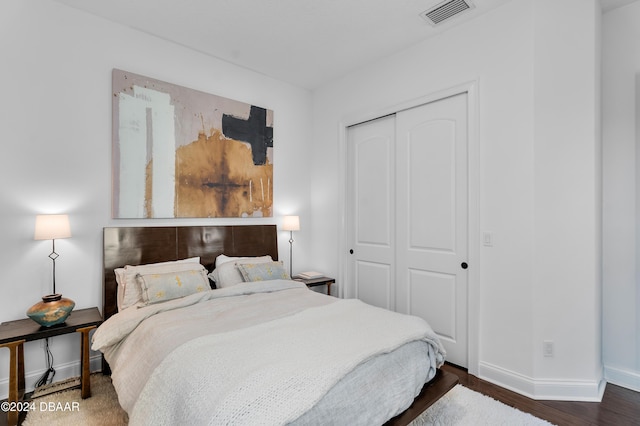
312,282
13,334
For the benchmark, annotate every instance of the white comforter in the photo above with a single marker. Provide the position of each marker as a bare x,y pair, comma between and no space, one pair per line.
256,353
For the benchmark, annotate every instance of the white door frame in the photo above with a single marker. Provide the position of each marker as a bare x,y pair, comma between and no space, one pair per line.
473,293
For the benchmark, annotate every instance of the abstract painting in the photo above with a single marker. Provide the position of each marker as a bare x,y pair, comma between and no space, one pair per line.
179,152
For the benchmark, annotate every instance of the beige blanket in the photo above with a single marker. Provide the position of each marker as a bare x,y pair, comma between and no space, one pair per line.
136,340
263,358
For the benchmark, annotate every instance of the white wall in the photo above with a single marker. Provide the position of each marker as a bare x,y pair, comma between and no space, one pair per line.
538,180
55,133
621,96
55,130
567,156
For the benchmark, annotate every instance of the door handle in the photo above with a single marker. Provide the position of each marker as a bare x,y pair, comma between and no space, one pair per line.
464,265
351,251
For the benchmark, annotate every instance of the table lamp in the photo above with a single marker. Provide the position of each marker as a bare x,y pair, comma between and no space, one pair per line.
54,309
291,223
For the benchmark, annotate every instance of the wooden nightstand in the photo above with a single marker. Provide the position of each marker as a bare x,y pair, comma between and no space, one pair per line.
13,334
312,282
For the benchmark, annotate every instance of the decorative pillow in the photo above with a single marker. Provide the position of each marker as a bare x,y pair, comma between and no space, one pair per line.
171,285
126,277
227,273
263,271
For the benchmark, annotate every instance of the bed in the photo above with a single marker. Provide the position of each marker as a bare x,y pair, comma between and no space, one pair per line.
259,352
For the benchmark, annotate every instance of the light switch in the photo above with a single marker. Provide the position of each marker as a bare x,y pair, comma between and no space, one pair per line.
487,239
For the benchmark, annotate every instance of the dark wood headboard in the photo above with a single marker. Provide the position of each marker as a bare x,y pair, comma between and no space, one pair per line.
142,245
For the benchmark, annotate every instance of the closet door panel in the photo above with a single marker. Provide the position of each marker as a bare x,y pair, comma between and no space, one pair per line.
431,219
432,180
428,290
371,212
374,283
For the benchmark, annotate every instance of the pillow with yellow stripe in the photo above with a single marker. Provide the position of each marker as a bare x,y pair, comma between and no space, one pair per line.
172,285
263,271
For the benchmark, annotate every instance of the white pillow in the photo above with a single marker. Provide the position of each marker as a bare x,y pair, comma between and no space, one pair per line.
225,259
126,277
120,280
228,274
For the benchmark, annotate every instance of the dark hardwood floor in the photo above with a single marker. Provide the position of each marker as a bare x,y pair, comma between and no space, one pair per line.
619,406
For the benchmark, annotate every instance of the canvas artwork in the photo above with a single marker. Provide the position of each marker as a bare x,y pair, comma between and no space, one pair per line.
179,152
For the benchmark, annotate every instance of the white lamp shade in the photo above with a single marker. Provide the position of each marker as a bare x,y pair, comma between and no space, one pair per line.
52,227
291,223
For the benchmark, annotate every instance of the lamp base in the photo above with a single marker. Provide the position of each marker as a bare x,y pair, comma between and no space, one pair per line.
54,309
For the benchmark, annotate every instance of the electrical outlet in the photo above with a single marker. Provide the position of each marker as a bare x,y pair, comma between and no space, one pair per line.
547,348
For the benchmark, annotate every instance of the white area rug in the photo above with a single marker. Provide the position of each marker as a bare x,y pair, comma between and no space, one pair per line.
463,407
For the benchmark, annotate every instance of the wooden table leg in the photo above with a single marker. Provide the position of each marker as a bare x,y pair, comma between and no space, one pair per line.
329,289
16,377
85,375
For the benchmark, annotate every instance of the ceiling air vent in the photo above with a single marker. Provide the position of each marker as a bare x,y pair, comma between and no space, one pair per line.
443,11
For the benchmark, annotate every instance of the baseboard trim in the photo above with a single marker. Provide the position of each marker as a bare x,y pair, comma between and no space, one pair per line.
544,389
625,378
63,372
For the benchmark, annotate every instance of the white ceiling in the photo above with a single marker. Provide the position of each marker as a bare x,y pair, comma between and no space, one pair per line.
303,42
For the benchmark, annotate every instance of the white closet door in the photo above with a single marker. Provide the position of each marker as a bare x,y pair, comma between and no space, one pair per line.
432,219
371,212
